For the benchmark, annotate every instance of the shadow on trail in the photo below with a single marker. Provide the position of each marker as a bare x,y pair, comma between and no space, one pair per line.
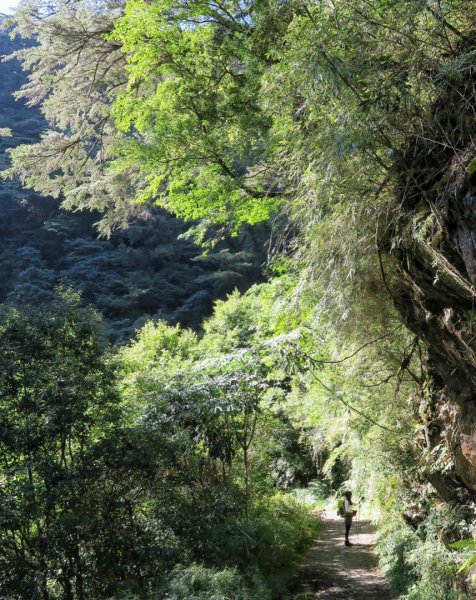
333,571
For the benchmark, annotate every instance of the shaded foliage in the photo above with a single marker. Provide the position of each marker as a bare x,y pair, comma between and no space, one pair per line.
355,121
143,271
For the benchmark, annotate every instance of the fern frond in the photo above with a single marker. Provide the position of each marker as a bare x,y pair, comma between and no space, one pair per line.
467,563
469,544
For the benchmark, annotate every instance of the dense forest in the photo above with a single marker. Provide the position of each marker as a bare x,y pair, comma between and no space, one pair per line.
138,273
238,267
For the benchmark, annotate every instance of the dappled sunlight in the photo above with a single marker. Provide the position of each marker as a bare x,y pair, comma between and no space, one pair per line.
336,572
279,317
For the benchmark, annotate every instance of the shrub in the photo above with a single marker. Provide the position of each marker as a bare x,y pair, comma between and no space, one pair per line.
196,582
314,496
271,542
435,567
418,564
396,542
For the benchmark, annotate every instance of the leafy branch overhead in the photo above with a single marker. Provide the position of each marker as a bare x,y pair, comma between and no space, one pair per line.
349,127
156,110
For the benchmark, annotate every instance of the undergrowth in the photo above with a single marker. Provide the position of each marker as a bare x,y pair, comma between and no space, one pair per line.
271,543
418,562
196,582
251,559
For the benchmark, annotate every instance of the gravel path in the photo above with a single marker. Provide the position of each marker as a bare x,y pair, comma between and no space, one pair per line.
332,571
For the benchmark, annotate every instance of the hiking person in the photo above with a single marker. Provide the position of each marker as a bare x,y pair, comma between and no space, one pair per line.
349,510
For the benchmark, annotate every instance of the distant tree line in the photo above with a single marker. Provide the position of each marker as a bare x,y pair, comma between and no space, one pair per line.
143,271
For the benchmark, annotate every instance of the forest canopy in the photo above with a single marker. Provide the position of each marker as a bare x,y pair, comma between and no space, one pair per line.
347,129
141,272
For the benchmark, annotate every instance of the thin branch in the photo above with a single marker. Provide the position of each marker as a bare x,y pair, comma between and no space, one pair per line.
382,273
350,407
447,24
379,383
341,360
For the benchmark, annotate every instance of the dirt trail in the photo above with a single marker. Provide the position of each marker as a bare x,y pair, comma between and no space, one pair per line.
332,571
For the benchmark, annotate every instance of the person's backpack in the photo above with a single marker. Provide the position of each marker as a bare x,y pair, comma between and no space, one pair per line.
340,507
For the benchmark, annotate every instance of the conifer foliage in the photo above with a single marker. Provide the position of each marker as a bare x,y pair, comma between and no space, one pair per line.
349,125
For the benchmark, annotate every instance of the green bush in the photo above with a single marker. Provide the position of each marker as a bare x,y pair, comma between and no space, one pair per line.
435,567
396,542
418,564
196,582
293,529
272,542
314,496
